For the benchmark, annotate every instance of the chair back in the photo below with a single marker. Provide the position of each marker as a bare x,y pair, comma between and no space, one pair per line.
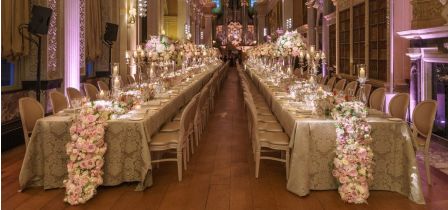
423,117
398,105
319,78
340,85
130,79
202,101
324,80
377,99
91,91
330,83
253,122
350,89
186,120
30,111
103,86
58,101
72,94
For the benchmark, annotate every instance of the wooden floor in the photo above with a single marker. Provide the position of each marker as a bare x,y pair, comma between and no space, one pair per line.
219,176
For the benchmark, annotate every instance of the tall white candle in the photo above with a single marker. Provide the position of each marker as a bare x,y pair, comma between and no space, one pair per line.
116,83
362,72
115,70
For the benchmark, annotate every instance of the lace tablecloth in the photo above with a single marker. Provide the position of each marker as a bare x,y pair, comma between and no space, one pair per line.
128,157
312,143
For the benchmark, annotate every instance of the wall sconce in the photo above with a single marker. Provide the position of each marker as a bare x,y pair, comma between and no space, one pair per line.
132,14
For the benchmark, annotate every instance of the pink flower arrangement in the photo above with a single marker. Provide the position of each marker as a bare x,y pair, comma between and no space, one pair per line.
290,44
86,150
353,164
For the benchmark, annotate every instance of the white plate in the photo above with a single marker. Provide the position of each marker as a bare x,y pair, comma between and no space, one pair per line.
71,110
135,118
394,119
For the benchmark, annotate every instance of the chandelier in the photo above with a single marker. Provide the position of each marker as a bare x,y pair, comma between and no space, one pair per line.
142,7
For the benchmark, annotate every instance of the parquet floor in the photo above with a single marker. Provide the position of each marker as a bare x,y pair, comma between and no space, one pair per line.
220,175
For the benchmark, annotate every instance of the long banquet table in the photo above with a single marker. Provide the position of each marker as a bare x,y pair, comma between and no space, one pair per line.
128,157
312,143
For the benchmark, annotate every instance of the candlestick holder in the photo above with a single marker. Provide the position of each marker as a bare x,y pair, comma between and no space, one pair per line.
362,79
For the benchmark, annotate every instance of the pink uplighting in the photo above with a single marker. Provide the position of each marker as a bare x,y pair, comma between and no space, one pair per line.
389,96
72,46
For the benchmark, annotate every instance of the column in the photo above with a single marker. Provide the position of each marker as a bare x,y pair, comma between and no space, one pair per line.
123,36
288,9
72,43
182,18
311,35
208,30
261,20
154,17
415,56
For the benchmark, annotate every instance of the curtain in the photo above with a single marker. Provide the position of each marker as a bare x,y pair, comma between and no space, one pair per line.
14,13
94,29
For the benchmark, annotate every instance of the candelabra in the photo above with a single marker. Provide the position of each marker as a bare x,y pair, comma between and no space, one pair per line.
314,58
140,60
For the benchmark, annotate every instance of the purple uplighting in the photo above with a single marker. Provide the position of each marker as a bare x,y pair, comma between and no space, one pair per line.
72,43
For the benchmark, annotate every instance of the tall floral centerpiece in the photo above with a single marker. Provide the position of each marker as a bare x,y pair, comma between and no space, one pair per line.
353,164
289,46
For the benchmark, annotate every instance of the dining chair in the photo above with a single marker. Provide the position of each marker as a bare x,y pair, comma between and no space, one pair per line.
30,111
263,142
73,94
201,112
331,82
340,85
319,78
178,140
398,105
130,79
324,80
377,99
58,101
367,88
103,86
423,120
350,88
91,91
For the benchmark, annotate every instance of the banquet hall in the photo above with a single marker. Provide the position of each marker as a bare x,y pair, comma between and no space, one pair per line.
224,104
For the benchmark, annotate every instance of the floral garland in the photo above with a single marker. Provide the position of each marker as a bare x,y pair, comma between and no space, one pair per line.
353,164
86,153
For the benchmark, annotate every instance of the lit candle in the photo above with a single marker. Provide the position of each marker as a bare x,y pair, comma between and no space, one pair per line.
101,94
135,54
362,72
312,49
126,55
115,71
116,83
301,54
